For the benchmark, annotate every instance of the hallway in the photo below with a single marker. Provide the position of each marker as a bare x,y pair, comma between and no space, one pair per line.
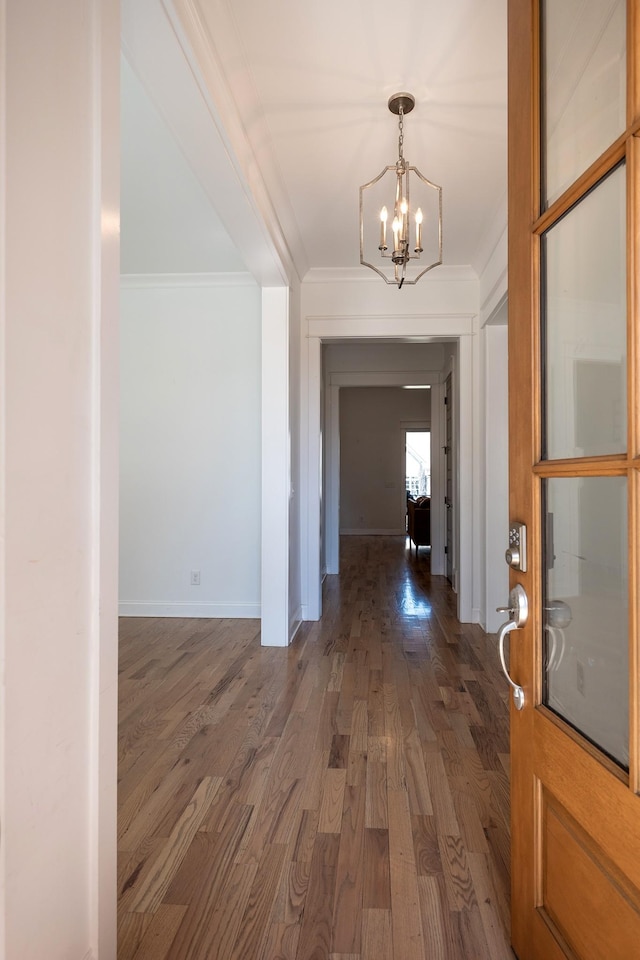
345,798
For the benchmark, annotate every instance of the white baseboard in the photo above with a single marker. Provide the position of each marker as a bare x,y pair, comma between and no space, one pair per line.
304,613
294,624
396,532
475,615
214,610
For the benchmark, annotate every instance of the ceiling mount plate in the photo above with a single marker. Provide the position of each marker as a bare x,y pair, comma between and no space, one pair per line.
404,101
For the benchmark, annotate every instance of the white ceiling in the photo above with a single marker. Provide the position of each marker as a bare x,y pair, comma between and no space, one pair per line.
306,85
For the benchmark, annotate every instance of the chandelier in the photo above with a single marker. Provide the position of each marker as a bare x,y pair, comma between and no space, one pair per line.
410,243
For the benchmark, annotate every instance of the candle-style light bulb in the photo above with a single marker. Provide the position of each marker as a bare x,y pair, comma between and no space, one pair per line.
383,228
395,226
404,209
418,231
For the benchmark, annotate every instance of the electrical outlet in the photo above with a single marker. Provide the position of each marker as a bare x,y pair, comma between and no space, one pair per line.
580,678
195,578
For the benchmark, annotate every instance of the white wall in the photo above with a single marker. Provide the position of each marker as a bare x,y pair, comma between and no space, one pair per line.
372,456
276,468
446,292
190,449
371,357
495,580
59,183
295,599
172,59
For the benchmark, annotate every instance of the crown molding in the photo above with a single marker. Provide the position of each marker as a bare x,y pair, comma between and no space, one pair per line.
494,299
393,317
384,378
499,314
420,327
146,281
442,274
493,238
168,52
201,50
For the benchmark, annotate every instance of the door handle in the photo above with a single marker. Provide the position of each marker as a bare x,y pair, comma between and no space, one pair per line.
518,611
558,616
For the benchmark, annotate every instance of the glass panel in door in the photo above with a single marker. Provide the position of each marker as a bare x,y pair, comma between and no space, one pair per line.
585,325
583,91
585,608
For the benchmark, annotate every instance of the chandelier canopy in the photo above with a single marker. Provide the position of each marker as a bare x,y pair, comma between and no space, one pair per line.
412,243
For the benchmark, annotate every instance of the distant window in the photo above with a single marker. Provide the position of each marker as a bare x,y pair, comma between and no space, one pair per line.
418,462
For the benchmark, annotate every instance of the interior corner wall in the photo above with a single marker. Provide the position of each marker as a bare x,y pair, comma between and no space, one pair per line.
295,406
372,456
313,497
496,476
190,451
464,365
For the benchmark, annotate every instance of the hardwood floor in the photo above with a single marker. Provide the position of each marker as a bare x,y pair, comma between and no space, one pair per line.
345,798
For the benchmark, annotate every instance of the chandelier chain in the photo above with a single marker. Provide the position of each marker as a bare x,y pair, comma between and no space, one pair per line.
401,133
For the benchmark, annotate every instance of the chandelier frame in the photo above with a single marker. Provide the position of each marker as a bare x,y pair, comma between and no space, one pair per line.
400,104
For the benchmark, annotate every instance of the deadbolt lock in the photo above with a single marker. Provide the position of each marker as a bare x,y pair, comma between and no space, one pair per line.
516,553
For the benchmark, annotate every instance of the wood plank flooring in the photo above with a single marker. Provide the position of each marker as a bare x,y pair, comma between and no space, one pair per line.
342,799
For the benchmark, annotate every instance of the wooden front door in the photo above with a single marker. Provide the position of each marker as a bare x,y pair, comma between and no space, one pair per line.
574,385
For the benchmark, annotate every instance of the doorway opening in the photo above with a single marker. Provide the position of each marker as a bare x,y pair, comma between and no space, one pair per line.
417,450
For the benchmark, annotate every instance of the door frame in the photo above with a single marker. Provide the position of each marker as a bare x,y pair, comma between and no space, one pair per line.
330,520
460,328
450,558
